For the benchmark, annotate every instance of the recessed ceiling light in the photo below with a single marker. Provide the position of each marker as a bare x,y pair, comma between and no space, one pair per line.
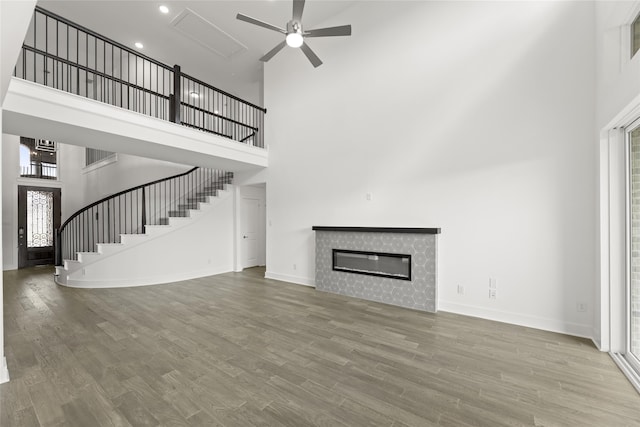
138,45
164,9
195,95
216,112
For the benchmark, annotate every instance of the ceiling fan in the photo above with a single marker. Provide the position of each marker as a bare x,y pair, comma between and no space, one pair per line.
295,35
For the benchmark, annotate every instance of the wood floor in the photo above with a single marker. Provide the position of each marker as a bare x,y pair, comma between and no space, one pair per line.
239,350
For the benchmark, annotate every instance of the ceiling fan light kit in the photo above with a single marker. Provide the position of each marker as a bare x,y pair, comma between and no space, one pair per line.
294,34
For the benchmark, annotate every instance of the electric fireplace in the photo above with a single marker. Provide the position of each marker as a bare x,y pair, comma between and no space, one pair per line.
395,266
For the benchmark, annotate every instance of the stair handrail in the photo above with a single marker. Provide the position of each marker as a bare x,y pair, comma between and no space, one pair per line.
215,177
112,196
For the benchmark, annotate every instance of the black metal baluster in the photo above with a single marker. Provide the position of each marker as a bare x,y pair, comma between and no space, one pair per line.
46,49
144,99
35,45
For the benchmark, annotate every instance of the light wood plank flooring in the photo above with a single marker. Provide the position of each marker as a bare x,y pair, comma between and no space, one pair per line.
239,350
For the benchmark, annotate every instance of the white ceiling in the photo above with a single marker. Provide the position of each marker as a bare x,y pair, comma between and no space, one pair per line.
240,73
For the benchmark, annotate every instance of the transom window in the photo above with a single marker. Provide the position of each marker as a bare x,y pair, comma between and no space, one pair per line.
38,158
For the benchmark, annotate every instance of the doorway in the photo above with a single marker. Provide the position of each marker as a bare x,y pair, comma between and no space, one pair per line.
631,342
252,226
38,218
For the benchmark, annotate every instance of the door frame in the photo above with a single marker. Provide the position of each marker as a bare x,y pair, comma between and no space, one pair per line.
21,221
250,192
610,331
632,359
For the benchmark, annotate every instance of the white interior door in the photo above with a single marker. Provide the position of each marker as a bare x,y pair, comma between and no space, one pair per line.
250,227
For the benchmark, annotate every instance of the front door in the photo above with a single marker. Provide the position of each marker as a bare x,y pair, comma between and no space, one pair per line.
38,218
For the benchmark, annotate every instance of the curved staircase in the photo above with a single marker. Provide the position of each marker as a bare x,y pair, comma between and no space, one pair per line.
172,229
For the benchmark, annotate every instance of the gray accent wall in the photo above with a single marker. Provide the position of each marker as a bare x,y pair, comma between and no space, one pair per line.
420,293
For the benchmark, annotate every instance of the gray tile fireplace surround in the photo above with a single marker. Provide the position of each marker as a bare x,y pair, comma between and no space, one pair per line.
420,293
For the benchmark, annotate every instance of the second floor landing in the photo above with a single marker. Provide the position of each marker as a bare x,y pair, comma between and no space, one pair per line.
38,111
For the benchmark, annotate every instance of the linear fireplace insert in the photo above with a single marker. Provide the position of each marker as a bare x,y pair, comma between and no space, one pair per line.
396,266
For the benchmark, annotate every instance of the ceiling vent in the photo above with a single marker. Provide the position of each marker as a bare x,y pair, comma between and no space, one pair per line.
207,34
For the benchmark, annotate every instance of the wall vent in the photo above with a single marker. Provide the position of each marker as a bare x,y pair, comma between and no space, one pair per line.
207,34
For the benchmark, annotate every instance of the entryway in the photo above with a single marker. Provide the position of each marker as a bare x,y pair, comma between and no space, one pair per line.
38,218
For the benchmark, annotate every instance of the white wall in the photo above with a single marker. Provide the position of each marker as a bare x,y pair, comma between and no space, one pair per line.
126,172
4,372
474,117
70,160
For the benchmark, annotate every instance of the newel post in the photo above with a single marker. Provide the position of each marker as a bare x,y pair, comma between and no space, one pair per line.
174,98
57,246
144,209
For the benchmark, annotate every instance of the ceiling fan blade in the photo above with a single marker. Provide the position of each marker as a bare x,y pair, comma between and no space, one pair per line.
342,30
310,55
298,7
259,23
273,51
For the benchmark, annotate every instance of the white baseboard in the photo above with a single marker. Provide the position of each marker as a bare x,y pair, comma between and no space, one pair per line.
298,280
552,325
9,267
146,281
597,340
4,372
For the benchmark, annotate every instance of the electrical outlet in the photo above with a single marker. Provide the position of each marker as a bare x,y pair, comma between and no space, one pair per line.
295,267
460,290
581,307
369,197
492,293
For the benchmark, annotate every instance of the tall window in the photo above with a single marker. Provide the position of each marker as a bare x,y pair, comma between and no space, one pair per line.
635,36
38,158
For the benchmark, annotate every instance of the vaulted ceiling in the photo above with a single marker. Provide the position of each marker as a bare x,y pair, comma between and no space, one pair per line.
203,37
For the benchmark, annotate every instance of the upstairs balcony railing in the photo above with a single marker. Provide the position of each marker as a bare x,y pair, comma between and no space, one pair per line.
63,55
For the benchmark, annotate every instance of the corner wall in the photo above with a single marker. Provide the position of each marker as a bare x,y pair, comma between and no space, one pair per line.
474,117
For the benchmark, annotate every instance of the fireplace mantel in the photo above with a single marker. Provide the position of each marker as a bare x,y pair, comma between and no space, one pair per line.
378,229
